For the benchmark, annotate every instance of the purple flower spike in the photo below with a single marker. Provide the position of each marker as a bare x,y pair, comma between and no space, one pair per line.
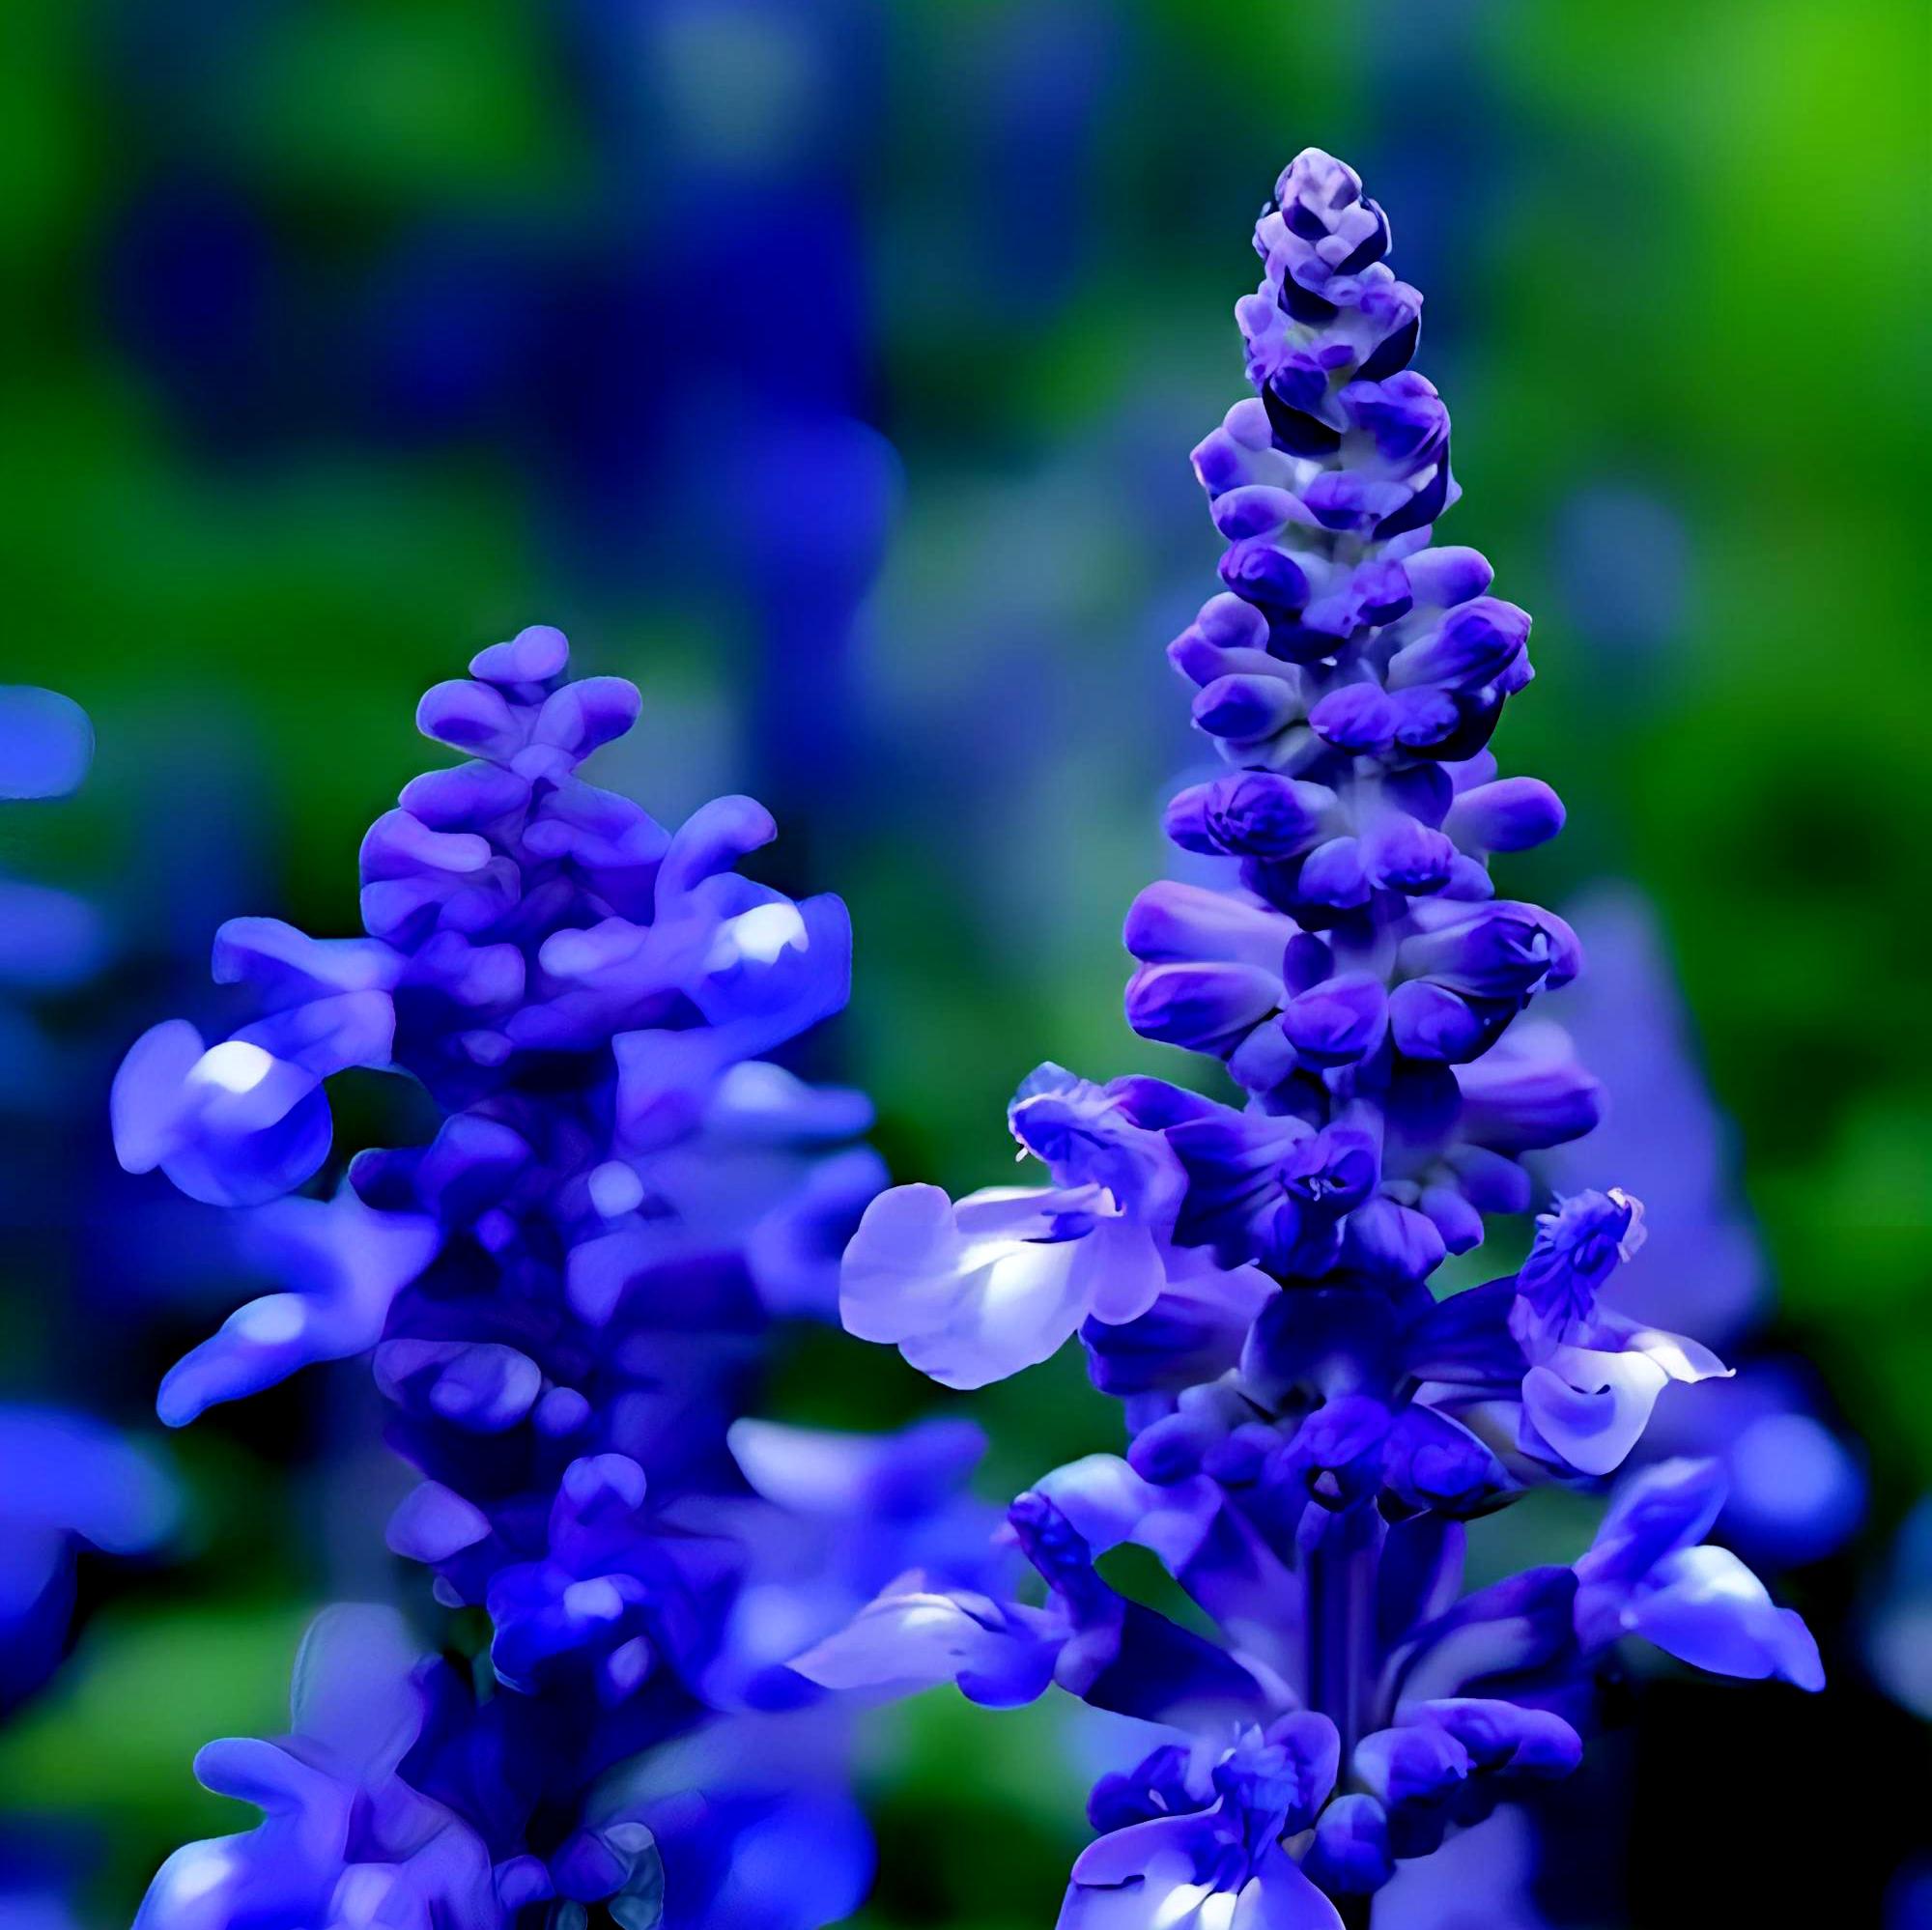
563,1294
1250,1267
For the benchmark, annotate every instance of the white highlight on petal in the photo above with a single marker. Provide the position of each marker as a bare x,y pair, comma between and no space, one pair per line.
758,935
615,1189
595,1600
276,1318
235,1065
197,1871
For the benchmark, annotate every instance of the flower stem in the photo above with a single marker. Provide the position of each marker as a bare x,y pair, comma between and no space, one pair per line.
1339,1634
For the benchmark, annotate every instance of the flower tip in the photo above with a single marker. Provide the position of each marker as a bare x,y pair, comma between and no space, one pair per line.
532,656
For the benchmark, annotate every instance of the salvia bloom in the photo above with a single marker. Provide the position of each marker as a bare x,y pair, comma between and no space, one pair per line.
1309,1426
565,1294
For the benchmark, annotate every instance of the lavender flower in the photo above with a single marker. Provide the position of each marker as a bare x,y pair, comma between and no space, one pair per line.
1309,1427
565,1292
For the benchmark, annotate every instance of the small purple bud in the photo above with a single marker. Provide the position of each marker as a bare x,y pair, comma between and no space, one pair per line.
1257,570
1176,922
1510,814
1405,856
1475,643
1339,1021
1255,509
1430,1021
1244,708
1333,874
532,656
1253,813
1204,1008
1357,717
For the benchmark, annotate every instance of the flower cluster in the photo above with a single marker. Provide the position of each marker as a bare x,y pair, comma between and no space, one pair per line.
1310,1427
565,1292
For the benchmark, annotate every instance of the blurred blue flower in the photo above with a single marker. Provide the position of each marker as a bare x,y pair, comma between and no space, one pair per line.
66,1483
1898,1619
1797,1490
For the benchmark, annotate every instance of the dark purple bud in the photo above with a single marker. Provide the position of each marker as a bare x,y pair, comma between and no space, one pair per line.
431,1524
1302,382
1395,349
1435,491
1338,1449
1230,623
1220,462
1227,636
1306,962
1296,430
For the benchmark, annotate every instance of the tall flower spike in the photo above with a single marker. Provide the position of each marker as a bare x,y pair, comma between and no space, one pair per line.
1309,1426
564,1295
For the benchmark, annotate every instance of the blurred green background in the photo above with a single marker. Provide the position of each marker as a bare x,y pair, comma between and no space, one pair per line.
348,335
